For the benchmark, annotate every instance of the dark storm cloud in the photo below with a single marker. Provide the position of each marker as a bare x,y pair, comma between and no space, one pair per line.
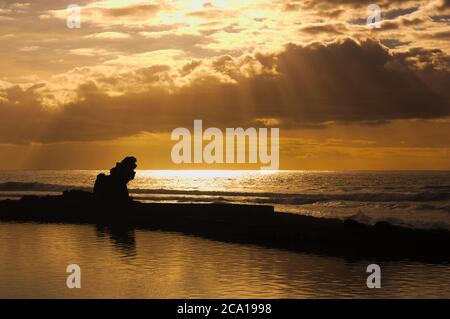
302,86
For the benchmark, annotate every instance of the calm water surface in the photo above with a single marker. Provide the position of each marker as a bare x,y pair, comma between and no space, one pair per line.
146,264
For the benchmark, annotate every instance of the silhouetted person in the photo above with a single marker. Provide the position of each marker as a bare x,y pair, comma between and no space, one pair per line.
113,187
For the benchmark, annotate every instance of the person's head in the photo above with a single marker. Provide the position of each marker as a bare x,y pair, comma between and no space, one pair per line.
125,169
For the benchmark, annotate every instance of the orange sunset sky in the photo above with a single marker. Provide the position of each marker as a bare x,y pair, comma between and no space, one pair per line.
345,96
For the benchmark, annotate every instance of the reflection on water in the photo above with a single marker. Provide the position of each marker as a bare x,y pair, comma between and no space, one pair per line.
122,237
118,262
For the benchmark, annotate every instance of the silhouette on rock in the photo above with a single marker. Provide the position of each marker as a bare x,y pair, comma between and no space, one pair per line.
113,187
113,209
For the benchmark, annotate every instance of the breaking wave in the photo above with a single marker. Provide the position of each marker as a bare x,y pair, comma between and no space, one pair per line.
257,197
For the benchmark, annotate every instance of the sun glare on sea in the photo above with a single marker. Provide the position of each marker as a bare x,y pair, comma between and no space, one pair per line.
201,173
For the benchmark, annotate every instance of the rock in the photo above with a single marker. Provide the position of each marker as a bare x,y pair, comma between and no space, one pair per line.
113,187
76,196
384,226
351,224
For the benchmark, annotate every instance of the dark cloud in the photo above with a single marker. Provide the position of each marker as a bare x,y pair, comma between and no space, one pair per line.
137,10
444,4
388,25
392,14
412,22
309,4
336,13
393,43
291,6
302,86
442,35
440,18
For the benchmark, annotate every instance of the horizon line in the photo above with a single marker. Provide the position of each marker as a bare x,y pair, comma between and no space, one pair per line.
234,170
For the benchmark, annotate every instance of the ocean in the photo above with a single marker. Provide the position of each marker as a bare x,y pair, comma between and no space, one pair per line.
418,199
153,264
